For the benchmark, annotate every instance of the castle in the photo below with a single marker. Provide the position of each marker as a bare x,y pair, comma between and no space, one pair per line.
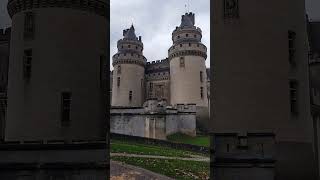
176,81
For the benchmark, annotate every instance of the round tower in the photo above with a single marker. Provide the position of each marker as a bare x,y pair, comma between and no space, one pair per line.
187,56
129,69
56,81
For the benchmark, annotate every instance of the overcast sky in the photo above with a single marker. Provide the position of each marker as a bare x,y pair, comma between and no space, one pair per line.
155,20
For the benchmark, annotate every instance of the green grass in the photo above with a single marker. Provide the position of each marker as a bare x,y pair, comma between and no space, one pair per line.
182,138
177,169
135,148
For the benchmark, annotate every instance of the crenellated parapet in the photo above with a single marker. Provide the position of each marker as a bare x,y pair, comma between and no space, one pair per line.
5,34
98,7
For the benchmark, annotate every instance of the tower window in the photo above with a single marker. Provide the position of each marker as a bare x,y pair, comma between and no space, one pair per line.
293,96
189,44
118,81
187,35
119,69
121,47
198,45
180,45
201,76
151,86
178,37
29,26
291,40
65,108
201,92
130,95
231,9
182,63
195,36
27,61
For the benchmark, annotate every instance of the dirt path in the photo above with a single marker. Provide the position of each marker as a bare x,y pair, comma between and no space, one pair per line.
121,171
193,158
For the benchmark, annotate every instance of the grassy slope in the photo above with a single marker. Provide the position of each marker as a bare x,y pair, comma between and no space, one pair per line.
182,138
134,148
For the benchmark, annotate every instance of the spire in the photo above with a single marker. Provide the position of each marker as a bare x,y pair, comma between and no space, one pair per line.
130,33
187,20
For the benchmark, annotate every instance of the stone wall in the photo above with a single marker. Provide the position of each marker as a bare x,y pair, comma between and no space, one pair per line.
144,122
243,156
53,160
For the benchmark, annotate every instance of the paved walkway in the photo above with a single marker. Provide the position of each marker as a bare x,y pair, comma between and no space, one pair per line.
193,157
121,171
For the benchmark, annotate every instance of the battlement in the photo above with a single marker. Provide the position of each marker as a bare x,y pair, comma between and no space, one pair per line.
5,34
158,61
186,107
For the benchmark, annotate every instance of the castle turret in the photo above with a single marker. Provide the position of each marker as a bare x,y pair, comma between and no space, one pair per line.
129,69
187,58
188,77
56,75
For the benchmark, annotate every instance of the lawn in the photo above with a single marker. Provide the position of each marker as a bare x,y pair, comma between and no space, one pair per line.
135,148
182,138
177,169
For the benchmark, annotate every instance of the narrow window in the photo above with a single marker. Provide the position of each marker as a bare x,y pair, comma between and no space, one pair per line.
201,92
293,96
136,47
189,44
121,47
129,46
151,86
65,108
228,147
291,41
118,81
125,54
187,35
182,63
195,36
178,37
27,61
29,26
119,69
131,54
201,76
231,9
180,45
130,95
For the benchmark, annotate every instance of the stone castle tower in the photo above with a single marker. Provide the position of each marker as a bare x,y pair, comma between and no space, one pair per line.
129,71
187,56
56,70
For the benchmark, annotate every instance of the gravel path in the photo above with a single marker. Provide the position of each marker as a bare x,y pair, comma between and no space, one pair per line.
121,171
193,158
